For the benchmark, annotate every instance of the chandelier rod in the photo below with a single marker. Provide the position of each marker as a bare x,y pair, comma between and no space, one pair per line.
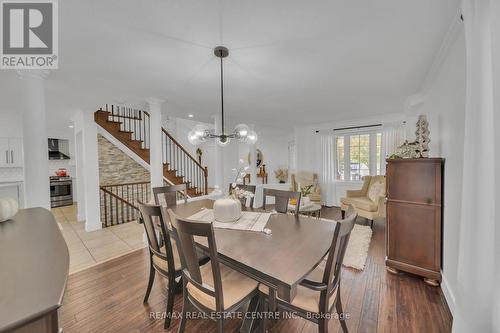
222,90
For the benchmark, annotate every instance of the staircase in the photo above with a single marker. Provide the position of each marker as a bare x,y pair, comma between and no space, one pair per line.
131,128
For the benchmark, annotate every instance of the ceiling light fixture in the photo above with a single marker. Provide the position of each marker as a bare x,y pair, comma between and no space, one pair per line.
190,116
200,133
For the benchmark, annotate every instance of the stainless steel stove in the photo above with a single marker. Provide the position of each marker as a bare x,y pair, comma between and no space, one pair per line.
61,191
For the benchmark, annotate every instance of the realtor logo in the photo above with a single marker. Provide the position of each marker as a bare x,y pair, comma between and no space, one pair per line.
29,34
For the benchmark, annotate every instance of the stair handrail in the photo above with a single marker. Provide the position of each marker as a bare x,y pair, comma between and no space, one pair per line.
116,196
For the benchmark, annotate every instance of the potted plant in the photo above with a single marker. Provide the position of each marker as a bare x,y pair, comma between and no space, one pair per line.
199,152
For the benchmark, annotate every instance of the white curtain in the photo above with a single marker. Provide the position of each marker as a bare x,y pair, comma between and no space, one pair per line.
393,136
327,172
478,289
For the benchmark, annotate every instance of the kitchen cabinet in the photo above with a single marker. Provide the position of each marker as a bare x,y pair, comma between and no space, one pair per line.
11,152
4,152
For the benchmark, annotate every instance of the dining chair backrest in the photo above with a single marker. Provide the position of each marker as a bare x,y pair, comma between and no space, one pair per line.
337,250
150,214
248,188
167,195
186,230
281,199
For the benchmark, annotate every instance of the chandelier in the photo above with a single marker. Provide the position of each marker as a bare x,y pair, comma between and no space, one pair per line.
200,133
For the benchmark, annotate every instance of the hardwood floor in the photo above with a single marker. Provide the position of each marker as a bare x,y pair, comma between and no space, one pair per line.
108,298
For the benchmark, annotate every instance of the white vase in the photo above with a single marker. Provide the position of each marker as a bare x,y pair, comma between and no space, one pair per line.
227,210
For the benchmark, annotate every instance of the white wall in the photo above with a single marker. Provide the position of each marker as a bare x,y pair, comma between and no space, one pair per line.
273,143
445,102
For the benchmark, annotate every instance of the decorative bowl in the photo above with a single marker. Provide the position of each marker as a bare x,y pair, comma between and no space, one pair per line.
227,210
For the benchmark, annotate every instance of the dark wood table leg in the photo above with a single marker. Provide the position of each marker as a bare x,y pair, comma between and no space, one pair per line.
251,321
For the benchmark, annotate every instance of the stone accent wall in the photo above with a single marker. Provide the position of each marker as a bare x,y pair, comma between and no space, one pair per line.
115,167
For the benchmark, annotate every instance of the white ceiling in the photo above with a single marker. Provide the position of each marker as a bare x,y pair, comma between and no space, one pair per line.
290,62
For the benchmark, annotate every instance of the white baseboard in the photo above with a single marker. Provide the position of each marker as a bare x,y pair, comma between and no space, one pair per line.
448,294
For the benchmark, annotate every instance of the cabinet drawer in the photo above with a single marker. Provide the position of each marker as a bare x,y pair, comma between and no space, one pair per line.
414,234
414,182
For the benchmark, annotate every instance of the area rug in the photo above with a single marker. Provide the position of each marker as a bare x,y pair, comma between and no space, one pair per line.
357,249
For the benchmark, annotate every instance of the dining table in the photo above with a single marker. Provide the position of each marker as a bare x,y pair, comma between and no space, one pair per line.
280,259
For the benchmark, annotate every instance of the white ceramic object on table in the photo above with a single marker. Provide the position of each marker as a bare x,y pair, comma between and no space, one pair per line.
8,208
227,210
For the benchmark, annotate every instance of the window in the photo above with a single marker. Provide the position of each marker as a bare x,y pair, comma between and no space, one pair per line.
358,154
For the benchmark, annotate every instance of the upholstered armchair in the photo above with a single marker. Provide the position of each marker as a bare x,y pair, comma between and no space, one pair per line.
369,201
303,178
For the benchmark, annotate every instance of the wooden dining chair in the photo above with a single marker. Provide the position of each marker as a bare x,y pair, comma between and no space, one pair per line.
319,293
281,199
249,188
167,195
164,258
213,288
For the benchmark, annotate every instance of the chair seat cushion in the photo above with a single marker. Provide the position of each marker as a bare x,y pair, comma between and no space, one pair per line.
361,203
306,298
160,262
235,286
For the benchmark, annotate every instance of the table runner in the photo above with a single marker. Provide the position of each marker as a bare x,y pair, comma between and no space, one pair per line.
249,221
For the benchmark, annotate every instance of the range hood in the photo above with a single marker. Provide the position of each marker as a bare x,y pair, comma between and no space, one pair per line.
58,149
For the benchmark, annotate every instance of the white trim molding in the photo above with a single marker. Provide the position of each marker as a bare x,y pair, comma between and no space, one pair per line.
448,293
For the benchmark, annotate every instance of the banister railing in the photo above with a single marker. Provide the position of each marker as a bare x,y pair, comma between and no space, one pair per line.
119,202
176,159
132,120
184,165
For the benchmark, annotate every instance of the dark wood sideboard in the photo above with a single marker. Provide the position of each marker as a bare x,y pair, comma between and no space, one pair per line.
414,211
34,264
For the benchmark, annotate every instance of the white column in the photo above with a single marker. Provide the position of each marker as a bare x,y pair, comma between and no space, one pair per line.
219,157
80,176
88,169
36,161
155,155
253,161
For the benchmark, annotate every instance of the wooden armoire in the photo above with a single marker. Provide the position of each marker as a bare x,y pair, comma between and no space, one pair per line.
414,210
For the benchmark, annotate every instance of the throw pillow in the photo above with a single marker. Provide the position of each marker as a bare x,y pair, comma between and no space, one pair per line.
375,191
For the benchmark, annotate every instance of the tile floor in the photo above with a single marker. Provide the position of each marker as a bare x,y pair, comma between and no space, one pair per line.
89,248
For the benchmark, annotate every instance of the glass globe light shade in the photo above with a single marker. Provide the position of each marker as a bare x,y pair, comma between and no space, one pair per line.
193,138
200,131
251,138
223,141
241,131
